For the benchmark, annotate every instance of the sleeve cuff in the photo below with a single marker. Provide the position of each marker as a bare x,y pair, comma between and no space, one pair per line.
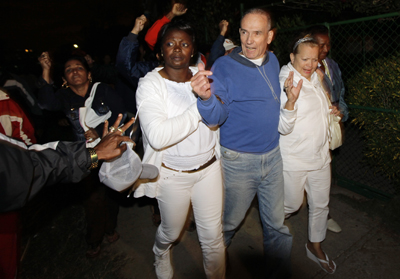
132,37
289,114
41,82
207,103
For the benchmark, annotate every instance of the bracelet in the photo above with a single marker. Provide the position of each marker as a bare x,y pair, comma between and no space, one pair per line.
93,158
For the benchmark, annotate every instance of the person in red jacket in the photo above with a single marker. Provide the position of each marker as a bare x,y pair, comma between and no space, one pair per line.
13,123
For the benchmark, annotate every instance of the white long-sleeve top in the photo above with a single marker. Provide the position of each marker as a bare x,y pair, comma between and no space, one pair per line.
160,130
304,140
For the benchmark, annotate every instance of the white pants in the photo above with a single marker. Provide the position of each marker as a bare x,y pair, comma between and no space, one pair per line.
204,189
317,185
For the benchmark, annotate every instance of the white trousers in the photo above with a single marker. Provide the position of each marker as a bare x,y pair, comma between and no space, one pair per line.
317,185
205,191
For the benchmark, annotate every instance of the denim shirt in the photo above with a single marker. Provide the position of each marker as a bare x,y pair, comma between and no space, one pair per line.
337,86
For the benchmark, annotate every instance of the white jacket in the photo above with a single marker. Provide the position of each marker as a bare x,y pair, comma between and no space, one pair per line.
304,141
159,131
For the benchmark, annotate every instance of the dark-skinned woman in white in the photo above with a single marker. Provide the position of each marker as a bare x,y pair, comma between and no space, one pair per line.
305,148
184,149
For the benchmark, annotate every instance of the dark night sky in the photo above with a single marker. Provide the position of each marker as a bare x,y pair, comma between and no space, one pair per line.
44,24
95,25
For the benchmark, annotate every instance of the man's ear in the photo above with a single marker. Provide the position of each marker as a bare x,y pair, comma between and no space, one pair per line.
292,58
270,36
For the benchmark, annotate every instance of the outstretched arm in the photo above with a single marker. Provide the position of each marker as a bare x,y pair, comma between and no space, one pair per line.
49,164
151,36
45,63
126,61
47,98
217,49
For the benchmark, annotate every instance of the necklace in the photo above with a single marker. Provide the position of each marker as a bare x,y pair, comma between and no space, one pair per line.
265,77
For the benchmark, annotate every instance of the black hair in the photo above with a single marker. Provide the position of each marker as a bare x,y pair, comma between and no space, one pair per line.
80,59
318,30
179,24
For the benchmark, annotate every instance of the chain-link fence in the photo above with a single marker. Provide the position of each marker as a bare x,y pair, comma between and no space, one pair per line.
355,45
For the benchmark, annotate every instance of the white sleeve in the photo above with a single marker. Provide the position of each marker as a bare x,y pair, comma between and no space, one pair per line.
287,118
160,130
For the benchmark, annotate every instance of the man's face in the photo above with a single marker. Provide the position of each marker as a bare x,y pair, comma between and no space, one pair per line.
255,35
324,45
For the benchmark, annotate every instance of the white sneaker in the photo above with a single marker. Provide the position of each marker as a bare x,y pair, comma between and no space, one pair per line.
163,266
333,226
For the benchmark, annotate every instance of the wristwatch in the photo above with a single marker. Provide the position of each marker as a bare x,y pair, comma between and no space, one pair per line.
93,158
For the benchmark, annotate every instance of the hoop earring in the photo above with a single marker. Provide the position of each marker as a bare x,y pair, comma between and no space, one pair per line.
65,84
90,80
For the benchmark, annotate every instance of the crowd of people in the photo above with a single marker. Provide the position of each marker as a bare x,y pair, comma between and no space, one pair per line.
221,128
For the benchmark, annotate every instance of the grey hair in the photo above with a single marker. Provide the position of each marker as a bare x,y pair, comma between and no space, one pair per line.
259,11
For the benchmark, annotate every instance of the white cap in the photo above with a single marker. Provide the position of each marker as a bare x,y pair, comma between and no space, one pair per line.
121,173
228,45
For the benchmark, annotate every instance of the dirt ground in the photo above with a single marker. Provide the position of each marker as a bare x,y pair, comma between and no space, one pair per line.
53,245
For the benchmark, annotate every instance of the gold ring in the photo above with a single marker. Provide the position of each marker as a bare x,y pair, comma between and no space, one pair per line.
111,129
119,129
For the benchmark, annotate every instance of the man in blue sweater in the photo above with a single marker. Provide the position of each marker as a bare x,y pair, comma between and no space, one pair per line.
243,98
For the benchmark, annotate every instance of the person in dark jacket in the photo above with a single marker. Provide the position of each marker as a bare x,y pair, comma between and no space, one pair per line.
51,163
44,165
129,64
101,210
222,45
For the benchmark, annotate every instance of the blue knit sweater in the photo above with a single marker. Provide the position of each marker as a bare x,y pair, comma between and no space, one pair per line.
249,114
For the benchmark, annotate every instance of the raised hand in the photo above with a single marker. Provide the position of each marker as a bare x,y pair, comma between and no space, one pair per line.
178,9
45,61
200,83
292,92
139,24
223,27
